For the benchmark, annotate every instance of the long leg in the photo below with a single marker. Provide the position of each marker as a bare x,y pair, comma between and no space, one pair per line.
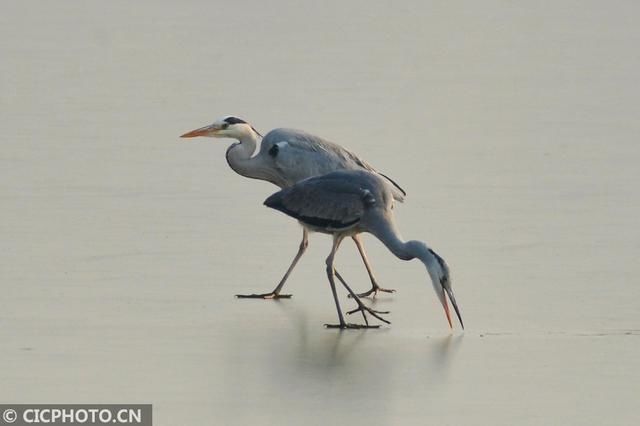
375,288
330,274
275,294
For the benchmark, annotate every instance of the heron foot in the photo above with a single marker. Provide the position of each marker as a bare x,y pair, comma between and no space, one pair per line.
350,326
374,291
376,314
272,295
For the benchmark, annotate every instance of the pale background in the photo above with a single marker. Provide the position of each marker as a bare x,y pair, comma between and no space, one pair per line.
513,126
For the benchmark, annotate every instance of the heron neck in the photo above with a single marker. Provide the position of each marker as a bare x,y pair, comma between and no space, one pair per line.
386,231
239,156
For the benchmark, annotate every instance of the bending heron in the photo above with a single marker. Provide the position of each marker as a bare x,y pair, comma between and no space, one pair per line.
346,203
287,156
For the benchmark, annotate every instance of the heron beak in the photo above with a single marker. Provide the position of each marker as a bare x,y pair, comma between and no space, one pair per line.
445,305
202,131
443,292
452,298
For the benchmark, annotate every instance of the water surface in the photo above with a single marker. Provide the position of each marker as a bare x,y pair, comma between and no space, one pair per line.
513,128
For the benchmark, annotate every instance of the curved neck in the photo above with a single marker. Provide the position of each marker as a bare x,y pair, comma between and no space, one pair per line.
387,233
438,271
239,156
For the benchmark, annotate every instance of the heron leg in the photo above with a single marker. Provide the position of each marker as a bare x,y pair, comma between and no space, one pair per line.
375,288
361,306
275,294
331,271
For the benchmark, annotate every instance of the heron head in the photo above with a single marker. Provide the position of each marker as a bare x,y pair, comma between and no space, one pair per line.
226,127
441,280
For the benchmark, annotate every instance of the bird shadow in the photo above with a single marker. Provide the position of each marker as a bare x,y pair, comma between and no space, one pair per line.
442,353
326,346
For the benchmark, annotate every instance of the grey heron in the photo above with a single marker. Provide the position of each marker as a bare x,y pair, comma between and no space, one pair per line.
346,203
287,156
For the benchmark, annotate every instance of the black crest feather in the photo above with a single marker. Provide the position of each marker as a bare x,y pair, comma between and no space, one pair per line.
234,120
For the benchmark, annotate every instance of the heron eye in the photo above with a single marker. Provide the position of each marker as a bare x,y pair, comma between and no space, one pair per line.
225,125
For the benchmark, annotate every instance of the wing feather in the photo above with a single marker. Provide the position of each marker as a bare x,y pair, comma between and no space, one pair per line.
332,202
299,155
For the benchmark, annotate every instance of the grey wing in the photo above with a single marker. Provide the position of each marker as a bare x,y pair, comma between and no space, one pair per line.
298,155
329,202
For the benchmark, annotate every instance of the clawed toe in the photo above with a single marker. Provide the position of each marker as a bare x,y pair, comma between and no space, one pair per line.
374,291
264,296
376,314
371,311
351,326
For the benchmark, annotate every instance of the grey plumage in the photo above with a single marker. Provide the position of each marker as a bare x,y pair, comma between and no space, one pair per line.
359,201
339,199
301,155
285,157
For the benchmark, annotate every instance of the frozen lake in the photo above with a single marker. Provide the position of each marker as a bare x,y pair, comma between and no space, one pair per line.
513,128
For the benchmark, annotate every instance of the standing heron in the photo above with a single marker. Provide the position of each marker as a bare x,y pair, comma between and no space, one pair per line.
346,203
287,156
